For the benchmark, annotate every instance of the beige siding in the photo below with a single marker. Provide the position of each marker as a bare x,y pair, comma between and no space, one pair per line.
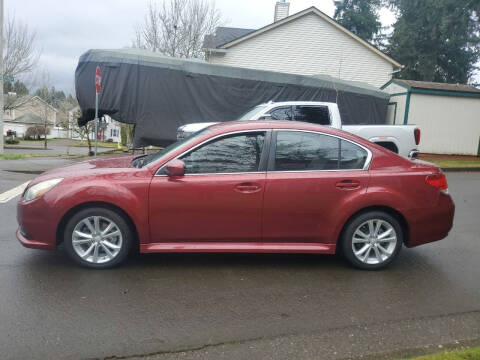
449,125
309,45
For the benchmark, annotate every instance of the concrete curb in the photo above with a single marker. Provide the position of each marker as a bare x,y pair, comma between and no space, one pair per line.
26,148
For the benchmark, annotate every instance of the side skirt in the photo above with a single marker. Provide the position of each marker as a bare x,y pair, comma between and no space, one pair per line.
232,247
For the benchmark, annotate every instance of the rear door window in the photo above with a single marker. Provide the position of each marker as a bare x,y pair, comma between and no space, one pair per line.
301,151
312,114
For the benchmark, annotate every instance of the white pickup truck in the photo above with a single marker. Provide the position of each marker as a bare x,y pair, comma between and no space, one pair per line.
401,139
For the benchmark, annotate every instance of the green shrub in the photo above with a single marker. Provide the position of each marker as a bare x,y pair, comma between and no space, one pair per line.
12,141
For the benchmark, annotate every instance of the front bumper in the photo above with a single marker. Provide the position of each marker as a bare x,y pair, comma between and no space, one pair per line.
37,224
33,244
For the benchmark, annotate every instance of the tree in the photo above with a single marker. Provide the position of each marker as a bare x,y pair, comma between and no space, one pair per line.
52,95
178,27
436,40
17,87
36,131
83,132
359,16
19,53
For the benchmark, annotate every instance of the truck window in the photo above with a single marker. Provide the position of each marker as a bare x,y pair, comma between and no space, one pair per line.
282,113
312,114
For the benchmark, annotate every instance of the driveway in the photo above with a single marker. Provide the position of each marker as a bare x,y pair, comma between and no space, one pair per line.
221,306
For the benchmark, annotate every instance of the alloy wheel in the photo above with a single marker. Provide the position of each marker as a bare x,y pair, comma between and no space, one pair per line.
97,239
374,241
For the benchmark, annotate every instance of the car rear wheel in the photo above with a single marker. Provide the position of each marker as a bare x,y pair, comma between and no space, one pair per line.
372,240
97,238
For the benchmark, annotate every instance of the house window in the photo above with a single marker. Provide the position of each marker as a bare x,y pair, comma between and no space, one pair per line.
113,132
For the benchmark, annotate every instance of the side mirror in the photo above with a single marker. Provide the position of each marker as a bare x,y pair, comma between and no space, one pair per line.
175,168
266,117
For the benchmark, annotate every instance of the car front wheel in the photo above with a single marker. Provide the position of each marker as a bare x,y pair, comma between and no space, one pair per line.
97,238
372,240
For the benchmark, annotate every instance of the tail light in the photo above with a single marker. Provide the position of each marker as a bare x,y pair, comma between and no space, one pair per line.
417,134
439,181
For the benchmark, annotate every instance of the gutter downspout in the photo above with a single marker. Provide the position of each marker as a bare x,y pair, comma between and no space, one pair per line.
407,107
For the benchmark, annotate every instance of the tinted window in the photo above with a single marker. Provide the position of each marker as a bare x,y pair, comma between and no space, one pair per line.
352,156
296,150
229,154
313,114
282,113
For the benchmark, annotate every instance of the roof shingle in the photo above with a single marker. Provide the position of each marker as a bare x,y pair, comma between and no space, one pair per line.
223,35
438,86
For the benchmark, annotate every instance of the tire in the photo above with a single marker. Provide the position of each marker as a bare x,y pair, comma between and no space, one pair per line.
372,250
95,246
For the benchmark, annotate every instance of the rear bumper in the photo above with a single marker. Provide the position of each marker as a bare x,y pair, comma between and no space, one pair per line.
413,154
432,224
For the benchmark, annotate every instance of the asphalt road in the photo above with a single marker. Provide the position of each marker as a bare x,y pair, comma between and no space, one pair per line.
198,306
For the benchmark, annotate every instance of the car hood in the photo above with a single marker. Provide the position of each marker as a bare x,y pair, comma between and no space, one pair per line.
89,167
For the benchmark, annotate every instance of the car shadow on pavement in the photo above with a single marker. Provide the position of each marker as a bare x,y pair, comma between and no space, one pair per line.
408,262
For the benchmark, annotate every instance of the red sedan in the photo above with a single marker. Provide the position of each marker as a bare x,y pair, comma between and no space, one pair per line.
261,186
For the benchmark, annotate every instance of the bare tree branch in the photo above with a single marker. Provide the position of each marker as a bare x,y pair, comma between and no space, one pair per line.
178,27
19,53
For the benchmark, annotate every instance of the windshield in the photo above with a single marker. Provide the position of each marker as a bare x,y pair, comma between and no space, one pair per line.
249,115
170,148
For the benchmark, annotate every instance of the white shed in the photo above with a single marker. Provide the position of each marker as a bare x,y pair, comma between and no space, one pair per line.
448,115
306,43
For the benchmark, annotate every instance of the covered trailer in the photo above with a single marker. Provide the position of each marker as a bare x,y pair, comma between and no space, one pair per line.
158,94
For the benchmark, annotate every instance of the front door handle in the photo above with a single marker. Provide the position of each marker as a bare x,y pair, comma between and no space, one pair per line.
348,184
247,187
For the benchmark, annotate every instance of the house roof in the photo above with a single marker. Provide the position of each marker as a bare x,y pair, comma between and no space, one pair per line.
224,35
29,119
15,102
435,86
311,10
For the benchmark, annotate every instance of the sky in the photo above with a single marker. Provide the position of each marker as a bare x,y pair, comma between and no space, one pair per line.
65,28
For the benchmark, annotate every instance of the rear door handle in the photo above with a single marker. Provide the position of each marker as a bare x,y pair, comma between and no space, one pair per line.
348,184
247,187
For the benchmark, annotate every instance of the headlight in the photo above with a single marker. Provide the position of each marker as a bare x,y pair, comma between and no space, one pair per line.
40,189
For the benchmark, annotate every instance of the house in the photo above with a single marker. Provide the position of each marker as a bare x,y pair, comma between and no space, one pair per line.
306,43
448,115
22,112
109,129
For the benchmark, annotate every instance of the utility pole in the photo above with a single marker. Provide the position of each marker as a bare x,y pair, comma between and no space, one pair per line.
1,77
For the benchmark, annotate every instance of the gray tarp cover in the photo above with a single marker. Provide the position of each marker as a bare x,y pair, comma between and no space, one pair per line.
159,93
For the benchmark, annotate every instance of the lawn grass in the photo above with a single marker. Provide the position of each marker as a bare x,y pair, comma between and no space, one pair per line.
457,163
466,354
26,156
32,142
100,143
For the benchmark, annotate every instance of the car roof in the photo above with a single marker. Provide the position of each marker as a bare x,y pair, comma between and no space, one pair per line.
240,125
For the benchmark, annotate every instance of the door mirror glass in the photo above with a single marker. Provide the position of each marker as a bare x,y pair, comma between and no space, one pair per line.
175,168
